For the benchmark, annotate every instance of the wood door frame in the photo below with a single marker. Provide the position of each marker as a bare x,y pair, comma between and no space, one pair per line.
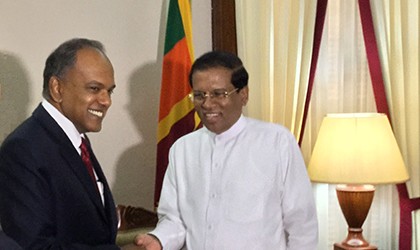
224,25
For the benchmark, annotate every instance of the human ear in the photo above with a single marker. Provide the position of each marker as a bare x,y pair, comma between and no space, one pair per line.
244,95
55,89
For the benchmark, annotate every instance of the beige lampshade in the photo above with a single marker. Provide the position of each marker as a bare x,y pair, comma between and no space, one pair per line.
356,148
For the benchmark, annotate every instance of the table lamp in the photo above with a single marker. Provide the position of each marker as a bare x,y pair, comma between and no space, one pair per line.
356,151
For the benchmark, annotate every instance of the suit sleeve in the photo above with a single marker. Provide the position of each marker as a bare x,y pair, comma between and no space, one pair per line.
26,208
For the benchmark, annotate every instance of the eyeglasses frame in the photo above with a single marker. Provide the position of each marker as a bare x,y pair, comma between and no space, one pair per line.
210,94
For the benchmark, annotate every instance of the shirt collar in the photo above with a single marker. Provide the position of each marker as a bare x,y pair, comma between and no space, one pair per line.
66,125
233,131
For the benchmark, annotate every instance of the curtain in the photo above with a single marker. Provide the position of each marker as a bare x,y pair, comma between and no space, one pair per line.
274,41
275,44
397,25
342,85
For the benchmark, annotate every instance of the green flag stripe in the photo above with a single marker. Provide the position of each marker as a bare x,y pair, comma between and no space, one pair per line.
174,27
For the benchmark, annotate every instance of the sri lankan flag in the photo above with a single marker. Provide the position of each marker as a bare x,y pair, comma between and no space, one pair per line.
176,112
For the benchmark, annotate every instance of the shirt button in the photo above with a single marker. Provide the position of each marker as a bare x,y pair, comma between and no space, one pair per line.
213,196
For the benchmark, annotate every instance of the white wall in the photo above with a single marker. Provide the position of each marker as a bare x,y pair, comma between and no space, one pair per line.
133,34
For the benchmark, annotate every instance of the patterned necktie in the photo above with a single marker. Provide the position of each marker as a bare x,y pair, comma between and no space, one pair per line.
86,160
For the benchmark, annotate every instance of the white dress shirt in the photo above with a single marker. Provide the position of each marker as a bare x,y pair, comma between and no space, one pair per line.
246,188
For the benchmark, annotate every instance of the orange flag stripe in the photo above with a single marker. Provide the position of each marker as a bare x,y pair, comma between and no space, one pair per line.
176,65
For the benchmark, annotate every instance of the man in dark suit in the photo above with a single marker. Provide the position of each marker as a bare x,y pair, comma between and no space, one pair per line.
48,198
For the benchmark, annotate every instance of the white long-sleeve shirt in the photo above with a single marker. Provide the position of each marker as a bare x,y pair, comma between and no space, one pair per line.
246,188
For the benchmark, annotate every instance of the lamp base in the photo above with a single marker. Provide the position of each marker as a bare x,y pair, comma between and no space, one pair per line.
340,246
355,201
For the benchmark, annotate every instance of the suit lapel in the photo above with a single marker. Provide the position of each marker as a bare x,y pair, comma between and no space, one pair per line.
76,164
109,204
70,155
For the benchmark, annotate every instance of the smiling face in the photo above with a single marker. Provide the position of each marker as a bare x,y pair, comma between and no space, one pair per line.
218,115
83,95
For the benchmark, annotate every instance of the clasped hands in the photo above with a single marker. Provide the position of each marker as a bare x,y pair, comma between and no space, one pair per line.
144,242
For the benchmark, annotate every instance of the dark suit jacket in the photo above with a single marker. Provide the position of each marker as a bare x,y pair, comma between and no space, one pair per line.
47,198
7,243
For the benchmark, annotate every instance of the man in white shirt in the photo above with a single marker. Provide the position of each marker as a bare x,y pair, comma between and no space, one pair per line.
236,183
